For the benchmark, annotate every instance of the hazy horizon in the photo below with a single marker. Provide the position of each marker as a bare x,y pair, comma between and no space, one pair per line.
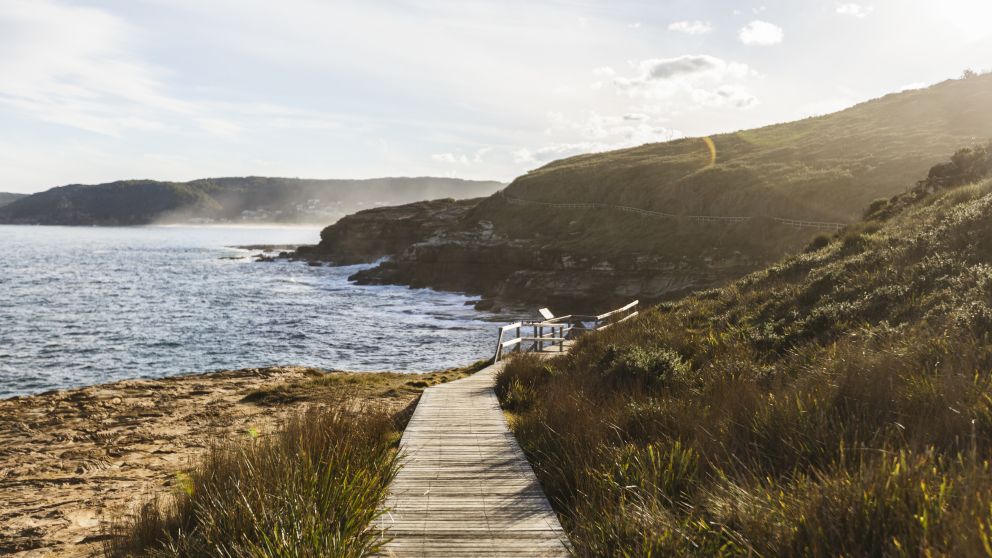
98,91
313,178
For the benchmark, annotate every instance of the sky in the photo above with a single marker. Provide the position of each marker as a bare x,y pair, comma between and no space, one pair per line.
94,91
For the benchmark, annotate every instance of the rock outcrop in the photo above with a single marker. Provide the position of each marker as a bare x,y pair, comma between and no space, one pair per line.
373,234
441,244
506,272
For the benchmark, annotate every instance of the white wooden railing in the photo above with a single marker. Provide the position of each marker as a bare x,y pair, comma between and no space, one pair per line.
554,332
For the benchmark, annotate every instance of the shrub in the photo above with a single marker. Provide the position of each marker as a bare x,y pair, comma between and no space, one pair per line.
643,365
819,242
516,382
312,490
875,208
966,166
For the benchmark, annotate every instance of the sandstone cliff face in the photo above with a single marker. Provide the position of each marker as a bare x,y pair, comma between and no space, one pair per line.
506,272
441,244
373,234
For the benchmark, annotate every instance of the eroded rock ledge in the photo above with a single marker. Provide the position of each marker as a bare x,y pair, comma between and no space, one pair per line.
441,244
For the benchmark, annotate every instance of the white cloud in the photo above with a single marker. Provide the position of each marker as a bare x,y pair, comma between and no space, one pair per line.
71,68
733,95
635,25
670,87
662,69
594,133
761,33
462,159
80,67
449,158
691,27
855,10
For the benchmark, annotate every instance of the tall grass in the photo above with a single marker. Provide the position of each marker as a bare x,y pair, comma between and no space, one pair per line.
311,489
836,404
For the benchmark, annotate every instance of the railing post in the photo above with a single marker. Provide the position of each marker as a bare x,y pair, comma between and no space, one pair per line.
561,339
499,346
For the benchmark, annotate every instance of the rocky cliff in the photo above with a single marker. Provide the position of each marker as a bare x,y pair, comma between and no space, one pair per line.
373,234
505,272
439,244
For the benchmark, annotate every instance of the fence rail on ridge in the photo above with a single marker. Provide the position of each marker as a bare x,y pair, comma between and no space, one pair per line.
554,332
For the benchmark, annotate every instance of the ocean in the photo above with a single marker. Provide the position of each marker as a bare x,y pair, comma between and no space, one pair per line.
88,305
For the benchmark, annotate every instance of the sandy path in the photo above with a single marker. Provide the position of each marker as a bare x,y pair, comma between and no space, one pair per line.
72,460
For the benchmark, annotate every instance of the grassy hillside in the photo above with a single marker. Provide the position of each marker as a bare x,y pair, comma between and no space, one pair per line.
827,168
251,199
838,403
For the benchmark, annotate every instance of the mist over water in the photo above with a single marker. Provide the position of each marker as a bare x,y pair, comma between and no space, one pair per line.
81,306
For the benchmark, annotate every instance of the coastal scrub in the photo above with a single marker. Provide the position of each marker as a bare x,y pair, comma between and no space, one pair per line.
311,489
838,403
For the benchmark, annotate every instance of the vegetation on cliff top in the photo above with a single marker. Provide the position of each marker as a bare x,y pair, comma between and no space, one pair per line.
838,403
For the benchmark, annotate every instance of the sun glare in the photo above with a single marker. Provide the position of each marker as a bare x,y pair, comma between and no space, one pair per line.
712,147
970,17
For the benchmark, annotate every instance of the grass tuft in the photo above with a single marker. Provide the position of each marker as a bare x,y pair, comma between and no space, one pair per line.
311,489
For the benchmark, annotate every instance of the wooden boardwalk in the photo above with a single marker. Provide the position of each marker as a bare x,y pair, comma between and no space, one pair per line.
465,487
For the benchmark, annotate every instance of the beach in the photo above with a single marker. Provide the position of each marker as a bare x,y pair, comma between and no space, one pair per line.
72,461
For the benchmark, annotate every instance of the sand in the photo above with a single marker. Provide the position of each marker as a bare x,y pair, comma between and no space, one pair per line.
71,461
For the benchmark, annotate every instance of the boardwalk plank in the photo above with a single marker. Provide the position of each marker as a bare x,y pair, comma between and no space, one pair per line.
465,488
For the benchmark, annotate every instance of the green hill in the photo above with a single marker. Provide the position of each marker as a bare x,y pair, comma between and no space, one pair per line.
225,200
7,198
827,168
838,403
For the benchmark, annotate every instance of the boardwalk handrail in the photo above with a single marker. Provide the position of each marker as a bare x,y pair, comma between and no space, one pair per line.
797,223
562,328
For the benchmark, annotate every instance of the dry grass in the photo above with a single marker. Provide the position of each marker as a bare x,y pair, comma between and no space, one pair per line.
313,489
836,404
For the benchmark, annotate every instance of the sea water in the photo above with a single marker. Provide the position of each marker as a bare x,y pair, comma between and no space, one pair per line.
88,305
